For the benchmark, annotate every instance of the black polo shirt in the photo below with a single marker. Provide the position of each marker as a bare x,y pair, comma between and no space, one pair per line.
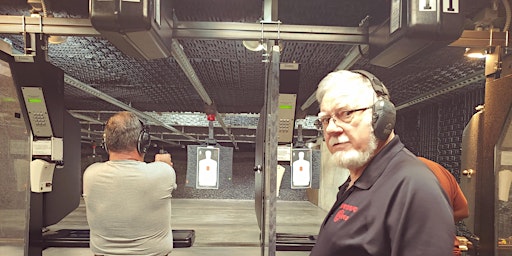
396,207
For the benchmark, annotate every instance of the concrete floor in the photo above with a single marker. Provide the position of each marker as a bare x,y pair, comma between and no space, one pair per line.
222,227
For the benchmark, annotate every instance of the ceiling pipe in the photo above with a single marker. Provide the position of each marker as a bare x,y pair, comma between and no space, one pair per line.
183,61
93,91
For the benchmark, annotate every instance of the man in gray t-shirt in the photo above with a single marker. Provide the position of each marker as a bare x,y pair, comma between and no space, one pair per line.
128,201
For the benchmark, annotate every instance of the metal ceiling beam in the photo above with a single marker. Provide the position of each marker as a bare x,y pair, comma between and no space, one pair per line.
10,24
98,133
270,31
93,91
155,138
474,38
51,26
354,54
211,30
172,138
348,61
226,130
476,77
86,118
183,61
222,138
92,120
246,122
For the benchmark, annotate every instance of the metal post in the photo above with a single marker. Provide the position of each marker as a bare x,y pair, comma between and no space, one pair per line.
272,95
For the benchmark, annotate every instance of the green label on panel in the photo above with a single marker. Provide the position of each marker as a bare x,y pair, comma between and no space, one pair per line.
35,100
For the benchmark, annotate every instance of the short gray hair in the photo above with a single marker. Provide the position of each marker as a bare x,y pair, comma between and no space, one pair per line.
339,77
122,132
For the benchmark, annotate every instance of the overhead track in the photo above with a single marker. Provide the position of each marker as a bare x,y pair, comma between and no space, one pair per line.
200,30
270,31
93,91
99,133
458,84
86,118
183,61
348,61
47,25
11,24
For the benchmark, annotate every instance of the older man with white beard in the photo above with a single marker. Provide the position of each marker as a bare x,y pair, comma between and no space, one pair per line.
391,204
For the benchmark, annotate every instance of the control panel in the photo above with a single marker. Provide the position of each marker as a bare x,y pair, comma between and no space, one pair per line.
286,115
37,111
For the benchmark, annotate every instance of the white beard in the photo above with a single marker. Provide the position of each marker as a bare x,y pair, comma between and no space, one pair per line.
353,159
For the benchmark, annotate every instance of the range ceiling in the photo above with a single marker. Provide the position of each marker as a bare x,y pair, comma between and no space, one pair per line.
232,76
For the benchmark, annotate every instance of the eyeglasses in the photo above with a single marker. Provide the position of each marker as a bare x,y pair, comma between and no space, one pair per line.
344,116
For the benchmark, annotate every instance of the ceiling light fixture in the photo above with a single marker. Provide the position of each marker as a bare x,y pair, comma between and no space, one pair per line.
254,45
57,39
39,10
477,53
53,39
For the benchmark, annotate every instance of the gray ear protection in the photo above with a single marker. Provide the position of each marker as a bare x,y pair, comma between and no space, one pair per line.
384,112
143,141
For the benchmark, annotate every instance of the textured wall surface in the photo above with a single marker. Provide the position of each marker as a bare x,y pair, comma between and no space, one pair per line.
15,159
434,130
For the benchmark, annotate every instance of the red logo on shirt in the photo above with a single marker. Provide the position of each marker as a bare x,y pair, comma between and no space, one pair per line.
344,212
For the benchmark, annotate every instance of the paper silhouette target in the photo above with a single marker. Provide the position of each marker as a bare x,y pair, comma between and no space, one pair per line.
207,168
301,168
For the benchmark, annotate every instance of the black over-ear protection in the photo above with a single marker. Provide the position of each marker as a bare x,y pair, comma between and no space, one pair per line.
384,112
143,141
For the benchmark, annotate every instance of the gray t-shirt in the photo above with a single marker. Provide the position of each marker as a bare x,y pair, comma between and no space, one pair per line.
128,207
